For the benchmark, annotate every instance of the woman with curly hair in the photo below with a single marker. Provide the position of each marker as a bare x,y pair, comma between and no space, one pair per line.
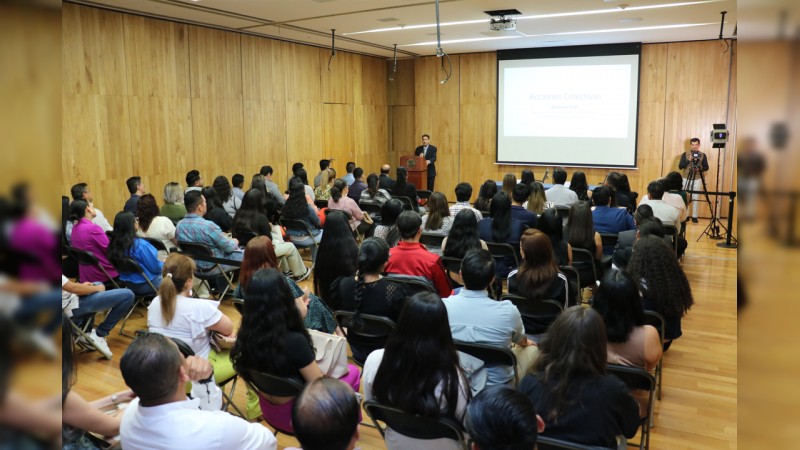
570,388
337,257
665,288
274,339
368,292
154,225
438,220
485,194
418,371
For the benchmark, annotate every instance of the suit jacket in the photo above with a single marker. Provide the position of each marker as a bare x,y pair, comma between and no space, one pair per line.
384,182
431,156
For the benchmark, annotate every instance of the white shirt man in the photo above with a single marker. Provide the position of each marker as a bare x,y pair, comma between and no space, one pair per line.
668,214
558,194
674,200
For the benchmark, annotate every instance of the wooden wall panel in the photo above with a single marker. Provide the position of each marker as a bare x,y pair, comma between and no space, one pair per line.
340,79
403,139
216,63
262,69
93,57
301,71
374,83
157,57
161,136
338,139
304,135
218,134
428,90
478,96
401,89
652,97
265,139
372,137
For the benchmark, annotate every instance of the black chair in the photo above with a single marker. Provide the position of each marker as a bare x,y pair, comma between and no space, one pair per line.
321,203
659,323
432,241
371,335
201,252
276,386
301,226
572,277
672,232
609,240
424,194
227,397
157,244
583,262
491,355
129,265
238,304
563,211
86,258
540,313
245,236
371,208
548,443
636,378
452,265
413,284
509,256
413,426
407,205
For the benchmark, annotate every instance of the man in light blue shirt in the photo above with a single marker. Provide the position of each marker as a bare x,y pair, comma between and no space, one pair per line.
349,177
474,317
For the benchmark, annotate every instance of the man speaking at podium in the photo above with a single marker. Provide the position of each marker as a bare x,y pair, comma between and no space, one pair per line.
429,152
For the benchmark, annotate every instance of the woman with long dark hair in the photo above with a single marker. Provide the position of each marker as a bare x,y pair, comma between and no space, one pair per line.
438,219
230,203
418,371
274,339
340,201
405,189
125,244
580,229
551,224
579,185
619,197
89,237
154,225
373,194
216,212
509,181
297,208
368,292
570,388
463,237
337,257
387,229
303,175
665,288
526,177
501,228
538,277
485,194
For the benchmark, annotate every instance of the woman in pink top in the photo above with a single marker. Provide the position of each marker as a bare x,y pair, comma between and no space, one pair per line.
339,200
89,237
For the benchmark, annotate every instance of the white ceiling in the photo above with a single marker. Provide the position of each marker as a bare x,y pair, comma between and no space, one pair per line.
542,23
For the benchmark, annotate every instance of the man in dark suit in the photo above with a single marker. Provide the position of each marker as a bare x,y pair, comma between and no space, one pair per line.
384,181
429,152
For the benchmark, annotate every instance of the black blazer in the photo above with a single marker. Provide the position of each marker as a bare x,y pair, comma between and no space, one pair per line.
384,182
431,156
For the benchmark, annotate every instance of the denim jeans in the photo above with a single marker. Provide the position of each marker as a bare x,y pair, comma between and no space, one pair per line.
142,289
119,301
32,306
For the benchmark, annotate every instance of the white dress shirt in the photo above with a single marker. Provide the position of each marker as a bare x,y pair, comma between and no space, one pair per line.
561,195
181,425
668,214
671,199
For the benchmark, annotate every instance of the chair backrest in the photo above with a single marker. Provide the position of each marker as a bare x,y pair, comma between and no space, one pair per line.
238,303
130,265
297,225
424,193
371,208
583,261
346,214
413,426
451,264
609,240
672,232
372,334
535,308
195,249
572,276
87,258
413,284
489,354
274,384
634,378
501,250
321,203
431,240
157,243
657,321
183,347
548,443
563,211
245,236
407,205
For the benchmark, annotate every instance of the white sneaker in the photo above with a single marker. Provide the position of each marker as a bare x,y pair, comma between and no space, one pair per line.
304,276
44,343
100,344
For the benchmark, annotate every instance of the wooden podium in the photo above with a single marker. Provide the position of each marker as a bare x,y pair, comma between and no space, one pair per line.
417,170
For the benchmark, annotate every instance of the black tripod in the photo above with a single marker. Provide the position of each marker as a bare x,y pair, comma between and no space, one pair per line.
715,226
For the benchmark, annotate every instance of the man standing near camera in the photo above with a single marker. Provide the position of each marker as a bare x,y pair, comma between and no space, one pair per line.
693,161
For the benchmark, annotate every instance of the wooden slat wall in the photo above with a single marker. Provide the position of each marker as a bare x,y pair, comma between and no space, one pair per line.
156,98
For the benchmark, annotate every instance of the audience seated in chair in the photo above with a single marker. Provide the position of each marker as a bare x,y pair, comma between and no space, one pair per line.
230,203
463,237
153,225
502,228
607,219
419,371
667,212
501,418
580,186
298,208
89,237
162,418
374,194
326,416
411,258
537,201
81,191
337,257
136,188
570,388
215,211
551,224
438,219
558,194
385,181
237,181
463,194
646,225
474,317
194,182
125,244
485,195
387,228
340,200
271,186
358,185
194,228
519,195
173,208
405,189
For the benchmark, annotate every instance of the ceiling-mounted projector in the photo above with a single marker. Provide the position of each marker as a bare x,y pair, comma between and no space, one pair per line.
502,24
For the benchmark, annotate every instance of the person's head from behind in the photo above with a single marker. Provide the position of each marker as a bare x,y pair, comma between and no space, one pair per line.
386,169
329,176
502,418
302,175
152,367
122,238
193,179
463,192
500,206
324,164
536,250
212,198
390,211
578,181
408,224
146,211
177,274
520,193
295,167
402,175
642,213
173,193
338,190
509,181
258,254
372,256
651,227
223,188
573,348
551,224
373,183
336,226
559,175
526,177
618,302
325,416
477,270
655,190
266,172
253,200
134,185
195,203
537,198
488,189
350,167
80,209
81,191
601,196
358,173
237,180
673,181
437,204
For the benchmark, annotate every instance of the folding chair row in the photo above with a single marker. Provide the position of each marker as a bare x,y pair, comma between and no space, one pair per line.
221,266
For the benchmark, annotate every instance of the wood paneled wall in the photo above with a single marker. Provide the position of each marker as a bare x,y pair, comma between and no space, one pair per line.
684,89
156,98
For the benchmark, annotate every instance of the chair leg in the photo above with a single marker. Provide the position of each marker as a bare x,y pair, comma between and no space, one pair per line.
125,320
